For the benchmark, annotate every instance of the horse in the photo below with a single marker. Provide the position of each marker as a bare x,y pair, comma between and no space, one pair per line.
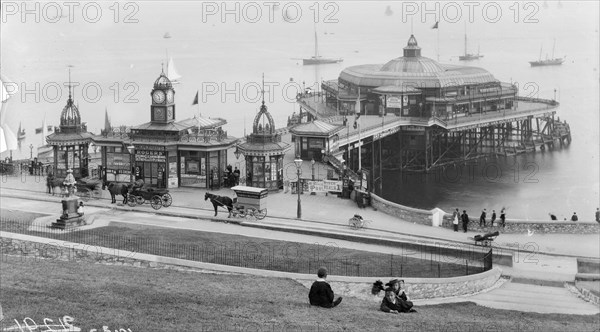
52,183
220,201
115,188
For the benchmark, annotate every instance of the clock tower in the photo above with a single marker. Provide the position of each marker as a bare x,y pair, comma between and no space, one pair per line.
162,109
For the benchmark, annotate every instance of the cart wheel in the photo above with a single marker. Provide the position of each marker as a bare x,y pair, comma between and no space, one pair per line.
260,215
156,202
354,223
167,200
131,200
140,200
85,194
242,212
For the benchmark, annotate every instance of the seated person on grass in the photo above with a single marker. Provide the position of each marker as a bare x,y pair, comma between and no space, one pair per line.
320,293
397,286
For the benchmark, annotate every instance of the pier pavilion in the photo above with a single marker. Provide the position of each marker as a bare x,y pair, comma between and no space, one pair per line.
416,114
165,152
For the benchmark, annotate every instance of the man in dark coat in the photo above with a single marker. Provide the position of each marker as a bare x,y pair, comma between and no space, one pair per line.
574,217
320,293
597,214
465,220
482,218
493,217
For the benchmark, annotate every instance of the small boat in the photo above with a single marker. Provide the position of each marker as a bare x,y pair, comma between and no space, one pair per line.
547,62
469,56
317,59
167,35
21,133
389,11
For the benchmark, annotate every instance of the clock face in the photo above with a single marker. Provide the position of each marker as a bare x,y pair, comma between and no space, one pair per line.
170,96
158,96
170,113
159,113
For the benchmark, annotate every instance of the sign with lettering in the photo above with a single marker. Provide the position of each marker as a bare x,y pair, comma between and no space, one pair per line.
413,128
386,132
394,102
332,185
150,156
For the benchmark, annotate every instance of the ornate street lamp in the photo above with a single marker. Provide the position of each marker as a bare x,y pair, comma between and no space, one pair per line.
237,153
298,163
312,163
30,151
131,150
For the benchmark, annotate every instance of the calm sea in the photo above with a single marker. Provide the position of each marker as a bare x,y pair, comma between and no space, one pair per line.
225,61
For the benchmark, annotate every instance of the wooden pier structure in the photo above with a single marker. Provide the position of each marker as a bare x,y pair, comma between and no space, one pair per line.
414,114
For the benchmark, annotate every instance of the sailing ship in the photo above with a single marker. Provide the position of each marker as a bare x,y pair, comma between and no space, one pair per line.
317,59
389,11
45,150
469,56
21,133
172,73
547,62
167,35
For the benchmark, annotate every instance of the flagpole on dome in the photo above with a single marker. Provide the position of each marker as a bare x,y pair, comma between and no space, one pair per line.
195,102
436,26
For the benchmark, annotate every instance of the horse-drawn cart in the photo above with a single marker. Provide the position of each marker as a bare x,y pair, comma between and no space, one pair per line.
157,197
89,188
250,201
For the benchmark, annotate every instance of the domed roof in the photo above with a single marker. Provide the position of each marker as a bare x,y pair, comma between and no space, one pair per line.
70,117
412,65
162,82
414,69
260,127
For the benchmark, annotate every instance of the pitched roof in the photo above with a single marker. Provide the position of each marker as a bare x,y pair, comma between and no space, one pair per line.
317,128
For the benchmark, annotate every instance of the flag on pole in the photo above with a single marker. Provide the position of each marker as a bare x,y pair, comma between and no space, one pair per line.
195,102
435,26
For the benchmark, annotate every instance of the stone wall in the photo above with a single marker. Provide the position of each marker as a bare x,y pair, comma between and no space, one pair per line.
523,226
32,248
402,212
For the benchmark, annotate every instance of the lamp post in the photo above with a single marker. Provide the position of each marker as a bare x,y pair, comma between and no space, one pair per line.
312,164
298,163
131,150
30,151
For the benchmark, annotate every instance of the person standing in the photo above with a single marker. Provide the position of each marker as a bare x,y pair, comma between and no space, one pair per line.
493,217
482,218
574,217
320,293
503,218
455,220
597,214
465,220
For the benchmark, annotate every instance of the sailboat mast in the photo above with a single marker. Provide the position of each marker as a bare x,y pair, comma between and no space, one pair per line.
553,45
540,59
465,43
316,45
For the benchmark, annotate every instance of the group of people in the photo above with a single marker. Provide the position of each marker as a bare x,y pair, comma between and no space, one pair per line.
232,176
395,299
574,217
464,218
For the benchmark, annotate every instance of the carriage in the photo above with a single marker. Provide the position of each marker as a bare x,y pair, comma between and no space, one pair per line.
156,196
89,188
250,201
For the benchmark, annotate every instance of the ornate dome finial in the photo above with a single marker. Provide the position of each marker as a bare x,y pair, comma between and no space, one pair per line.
412,48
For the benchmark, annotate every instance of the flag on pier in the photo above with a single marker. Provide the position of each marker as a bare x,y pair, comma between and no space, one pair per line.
435,26
195,102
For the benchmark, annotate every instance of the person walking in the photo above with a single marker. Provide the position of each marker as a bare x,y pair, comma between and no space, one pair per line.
455,220
493,217
597,214
482,218
465,220
502,218
574,217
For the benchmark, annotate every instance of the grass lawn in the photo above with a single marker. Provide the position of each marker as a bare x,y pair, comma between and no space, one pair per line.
238,250
151,300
